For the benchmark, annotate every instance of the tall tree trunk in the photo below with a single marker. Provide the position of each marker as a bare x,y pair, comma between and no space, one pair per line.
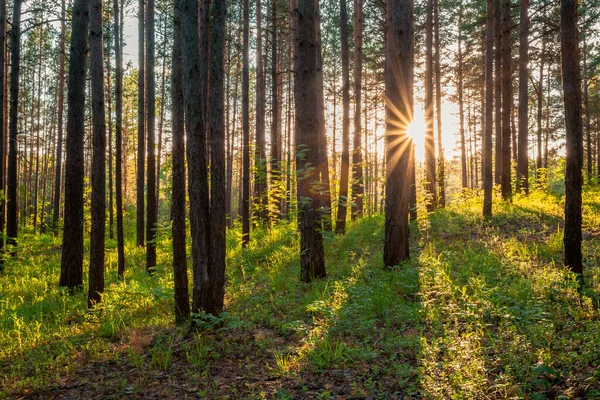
523,153
309,126
119,140
438,106
161,120
71,270
141,150
61,101
15,67
489,107
430,170
98,232
461,111
571,78
111,218
506,100
260,158
180,278
358,190
540,108
345,50
151,203
215,292
246,129
498,93
586,110
399,66
2,124
276,116
196,152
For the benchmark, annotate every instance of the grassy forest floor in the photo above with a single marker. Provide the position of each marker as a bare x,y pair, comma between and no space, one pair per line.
484,309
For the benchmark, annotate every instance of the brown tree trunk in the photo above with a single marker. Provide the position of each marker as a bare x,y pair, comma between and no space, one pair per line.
180,278
161,121
141,128
571,78
523,145
498,93
461,111
111,218
506,100
119,140
399,66
309,126
358,190
540,108
430,170
71,270
340,223
260,158
61,101
276,117
151,202
586,110
98,231
489,107
245,198
438,105
2,124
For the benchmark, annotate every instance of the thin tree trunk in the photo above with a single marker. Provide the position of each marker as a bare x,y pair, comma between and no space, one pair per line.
586,110
246,129
523,145
357,172
506,100
489,107
540,108
161,121
61,101
151,201
438,106
98,232
180,278
571,78
260,157
430,170
119,140
276,117
110,154
71,271
2,125
141,151
345,50
461,111
498,93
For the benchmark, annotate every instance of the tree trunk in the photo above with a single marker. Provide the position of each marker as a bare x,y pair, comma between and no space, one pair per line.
119,140
461,111
498,93
2,123
71,271
571,78
141,153
260,158
540,108
98,232
246,130
111,219
506,100
489,107
430,170
358,190
438,106
586,110
523,153
399,66
151,203
161,121
215,292
345,50
61,101
180,278
196,152
309,126
276,117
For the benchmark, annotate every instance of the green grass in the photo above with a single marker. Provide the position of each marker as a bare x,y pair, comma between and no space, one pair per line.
484,309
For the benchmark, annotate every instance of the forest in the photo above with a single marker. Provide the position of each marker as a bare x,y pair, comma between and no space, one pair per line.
300,199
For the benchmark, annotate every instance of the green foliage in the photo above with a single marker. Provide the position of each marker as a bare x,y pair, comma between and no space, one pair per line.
484,308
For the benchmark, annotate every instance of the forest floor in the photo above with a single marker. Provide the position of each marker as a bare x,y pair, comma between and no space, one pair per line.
484,309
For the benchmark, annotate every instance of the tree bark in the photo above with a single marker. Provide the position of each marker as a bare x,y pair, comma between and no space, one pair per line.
506,100
399,66
151,203
461,111
71,271
98,231
246,129
498,93
357,166
119,140
344,172
180,278
61,101
571,78
523,144
260,158
141,128
430,168
275,117
489,107
309,127
438,105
